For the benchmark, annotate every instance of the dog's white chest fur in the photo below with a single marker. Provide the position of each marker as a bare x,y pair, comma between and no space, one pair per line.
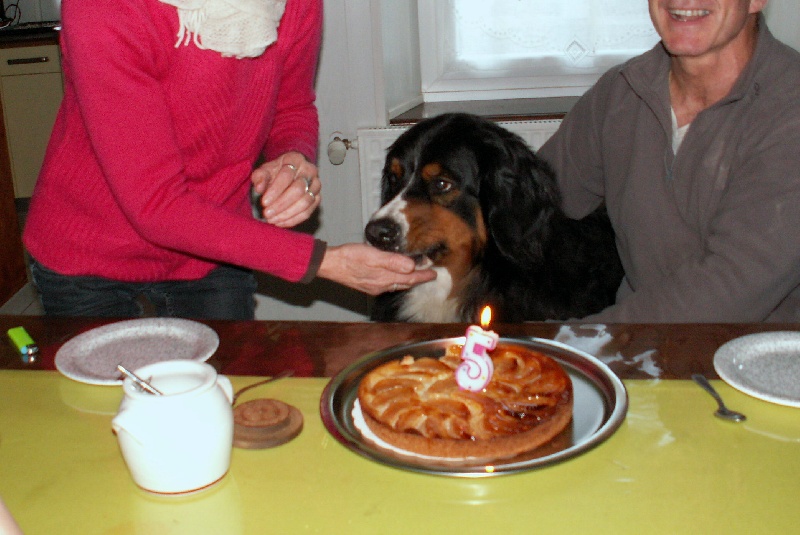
430,302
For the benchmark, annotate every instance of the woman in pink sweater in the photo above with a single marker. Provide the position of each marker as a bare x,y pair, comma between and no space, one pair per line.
168,105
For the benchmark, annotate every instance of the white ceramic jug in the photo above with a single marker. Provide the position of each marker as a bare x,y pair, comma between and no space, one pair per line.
180,441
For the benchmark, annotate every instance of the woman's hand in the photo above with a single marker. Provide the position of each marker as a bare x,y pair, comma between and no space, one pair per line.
289,188
370,270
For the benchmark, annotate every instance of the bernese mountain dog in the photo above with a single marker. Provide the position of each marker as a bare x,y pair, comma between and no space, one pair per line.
469,198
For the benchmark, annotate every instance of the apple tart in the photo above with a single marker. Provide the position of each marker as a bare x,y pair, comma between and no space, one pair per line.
416,405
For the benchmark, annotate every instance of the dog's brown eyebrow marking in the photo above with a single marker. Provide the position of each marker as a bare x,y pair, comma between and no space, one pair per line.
431,171
396,168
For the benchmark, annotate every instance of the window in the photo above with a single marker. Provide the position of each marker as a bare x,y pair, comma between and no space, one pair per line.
479,49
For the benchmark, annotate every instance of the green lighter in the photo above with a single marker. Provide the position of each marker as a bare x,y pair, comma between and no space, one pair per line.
27,348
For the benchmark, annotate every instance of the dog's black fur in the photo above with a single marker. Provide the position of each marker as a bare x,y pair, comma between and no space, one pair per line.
472,198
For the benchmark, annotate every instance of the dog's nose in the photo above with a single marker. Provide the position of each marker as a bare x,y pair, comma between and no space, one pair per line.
383,234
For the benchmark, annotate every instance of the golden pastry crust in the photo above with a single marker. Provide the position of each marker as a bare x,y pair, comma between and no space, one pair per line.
416,405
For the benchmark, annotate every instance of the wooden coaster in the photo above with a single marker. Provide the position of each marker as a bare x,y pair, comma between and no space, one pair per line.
265,423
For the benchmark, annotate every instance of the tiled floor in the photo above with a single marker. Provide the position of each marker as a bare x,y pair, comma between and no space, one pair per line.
25,302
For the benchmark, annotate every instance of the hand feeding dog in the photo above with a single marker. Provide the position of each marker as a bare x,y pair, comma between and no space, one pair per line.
471,199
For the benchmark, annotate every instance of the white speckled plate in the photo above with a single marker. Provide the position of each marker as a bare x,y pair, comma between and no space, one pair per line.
763,365
92,357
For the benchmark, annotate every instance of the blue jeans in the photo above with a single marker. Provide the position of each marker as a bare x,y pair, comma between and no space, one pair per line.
226,293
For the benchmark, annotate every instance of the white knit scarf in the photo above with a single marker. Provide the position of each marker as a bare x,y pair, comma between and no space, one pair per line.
238,28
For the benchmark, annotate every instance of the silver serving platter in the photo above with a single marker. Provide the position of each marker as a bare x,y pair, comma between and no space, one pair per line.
600,406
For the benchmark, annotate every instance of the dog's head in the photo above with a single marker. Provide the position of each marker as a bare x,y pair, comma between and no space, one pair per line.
456,188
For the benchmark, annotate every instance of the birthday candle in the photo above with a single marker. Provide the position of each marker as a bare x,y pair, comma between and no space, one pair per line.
476,368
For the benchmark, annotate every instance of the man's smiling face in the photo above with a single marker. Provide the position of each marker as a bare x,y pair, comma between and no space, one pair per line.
699,28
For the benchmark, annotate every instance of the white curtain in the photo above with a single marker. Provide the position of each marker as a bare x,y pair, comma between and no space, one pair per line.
545,34
526,47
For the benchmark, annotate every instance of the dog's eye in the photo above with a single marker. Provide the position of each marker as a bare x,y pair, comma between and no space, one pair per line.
441,185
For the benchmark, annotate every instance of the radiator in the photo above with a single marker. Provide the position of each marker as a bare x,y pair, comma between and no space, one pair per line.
373,143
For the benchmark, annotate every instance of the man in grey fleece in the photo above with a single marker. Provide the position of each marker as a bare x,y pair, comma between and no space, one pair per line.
695,148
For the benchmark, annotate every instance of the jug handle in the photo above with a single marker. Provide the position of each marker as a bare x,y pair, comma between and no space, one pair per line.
226,386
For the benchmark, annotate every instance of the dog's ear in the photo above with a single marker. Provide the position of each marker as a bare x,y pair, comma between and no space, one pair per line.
520,198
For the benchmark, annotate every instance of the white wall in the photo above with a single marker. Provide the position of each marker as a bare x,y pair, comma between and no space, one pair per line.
783,19
401,64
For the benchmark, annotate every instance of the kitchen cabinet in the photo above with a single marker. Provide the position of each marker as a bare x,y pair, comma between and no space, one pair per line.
30,93
31,89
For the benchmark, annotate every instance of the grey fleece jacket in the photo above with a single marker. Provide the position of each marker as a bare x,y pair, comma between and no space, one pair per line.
712,233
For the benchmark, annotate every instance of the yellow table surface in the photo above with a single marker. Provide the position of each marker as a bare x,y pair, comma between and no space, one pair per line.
671,468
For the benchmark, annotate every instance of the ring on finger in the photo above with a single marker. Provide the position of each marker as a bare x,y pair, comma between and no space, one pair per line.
290,166
308,182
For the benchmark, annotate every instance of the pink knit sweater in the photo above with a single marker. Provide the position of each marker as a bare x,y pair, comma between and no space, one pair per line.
147,171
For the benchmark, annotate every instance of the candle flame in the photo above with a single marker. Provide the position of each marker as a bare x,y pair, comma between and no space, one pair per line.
486,317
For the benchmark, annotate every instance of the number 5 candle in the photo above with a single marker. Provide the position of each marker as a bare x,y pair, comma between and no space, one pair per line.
476,368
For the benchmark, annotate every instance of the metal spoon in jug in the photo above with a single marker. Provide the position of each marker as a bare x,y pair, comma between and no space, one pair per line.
138,381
